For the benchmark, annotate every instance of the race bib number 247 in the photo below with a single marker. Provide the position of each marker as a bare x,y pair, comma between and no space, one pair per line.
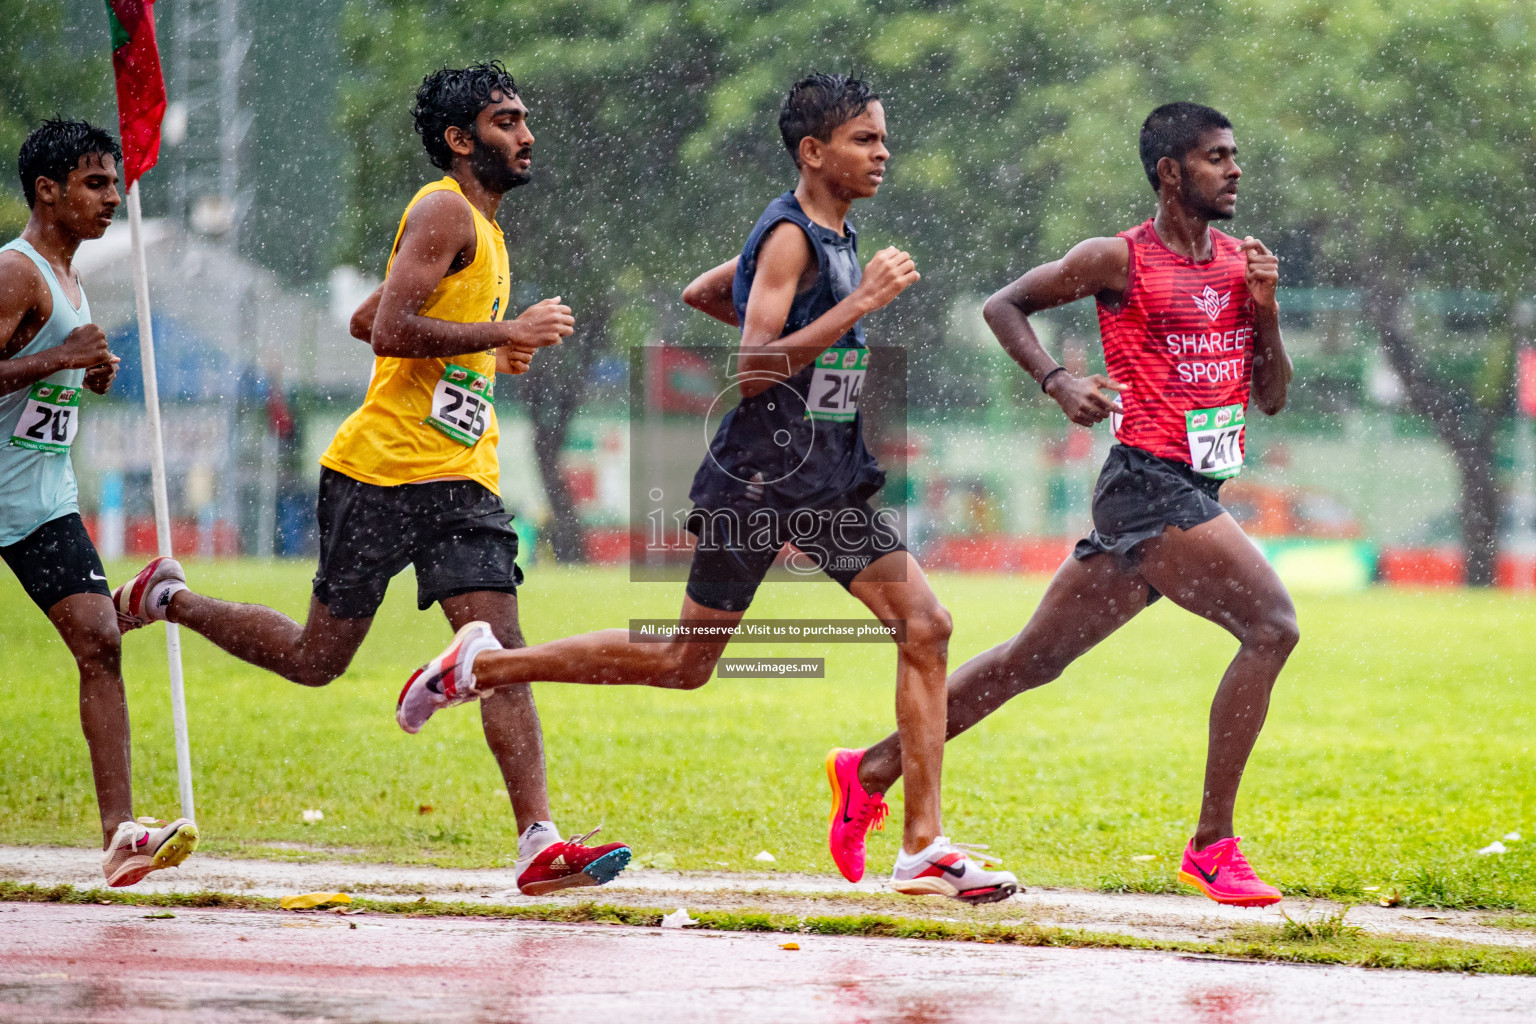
1216,441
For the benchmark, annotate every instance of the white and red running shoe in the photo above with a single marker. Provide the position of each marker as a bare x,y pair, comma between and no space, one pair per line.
948,869
447,679
137,849
565,864
145,598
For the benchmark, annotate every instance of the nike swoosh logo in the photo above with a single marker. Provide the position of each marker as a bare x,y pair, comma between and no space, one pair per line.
847,796
97,576
1208,877
955,872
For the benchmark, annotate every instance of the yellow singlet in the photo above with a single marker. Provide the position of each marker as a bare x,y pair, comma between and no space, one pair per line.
389,440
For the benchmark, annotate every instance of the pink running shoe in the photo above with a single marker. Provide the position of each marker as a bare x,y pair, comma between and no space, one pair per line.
145,598
1223,873
853,811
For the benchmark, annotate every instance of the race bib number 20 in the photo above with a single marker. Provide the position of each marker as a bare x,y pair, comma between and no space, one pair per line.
1216,441
461,404
837,384
49,420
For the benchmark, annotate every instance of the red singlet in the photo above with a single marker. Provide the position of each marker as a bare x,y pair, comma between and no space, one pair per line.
1181,339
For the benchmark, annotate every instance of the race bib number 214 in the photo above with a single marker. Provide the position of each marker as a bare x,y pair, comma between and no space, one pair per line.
837,383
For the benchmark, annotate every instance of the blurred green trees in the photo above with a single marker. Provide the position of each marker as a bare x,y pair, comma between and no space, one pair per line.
40,77
1389,147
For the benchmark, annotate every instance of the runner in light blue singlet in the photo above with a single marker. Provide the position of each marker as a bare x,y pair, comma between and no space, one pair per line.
50,353
38,486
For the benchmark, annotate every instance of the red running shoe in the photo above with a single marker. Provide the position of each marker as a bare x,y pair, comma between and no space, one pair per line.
853,812
1224,874
568,864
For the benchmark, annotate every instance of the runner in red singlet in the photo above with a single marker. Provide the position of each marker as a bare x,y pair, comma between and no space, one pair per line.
1190,324
1180,338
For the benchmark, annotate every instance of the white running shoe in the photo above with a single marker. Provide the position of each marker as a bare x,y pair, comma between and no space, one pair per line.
137,849
948,869
447,679
145,598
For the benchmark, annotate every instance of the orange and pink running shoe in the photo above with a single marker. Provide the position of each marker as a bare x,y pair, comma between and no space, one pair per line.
853,812
1224,874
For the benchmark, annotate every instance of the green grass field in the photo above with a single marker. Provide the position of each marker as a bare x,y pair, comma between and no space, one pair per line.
1402,738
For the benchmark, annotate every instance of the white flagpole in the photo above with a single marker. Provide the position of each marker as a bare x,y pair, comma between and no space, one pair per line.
162,502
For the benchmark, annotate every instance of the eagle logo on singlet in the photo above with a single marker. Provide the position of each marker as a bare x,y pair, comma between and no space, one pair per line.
1211,304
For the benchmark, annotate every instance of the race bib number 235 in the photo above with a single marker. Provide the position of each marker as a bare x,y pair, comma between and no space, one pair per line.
461,404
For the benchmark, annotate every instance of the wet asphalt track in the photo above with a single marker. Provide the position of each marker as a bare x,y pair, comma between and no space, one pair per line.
63,964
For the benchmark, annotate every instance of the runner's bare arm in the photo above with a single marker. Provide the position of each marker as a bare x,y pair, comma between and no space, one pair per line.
363,317
1098,266
782,260
710,292
438,240
22,297
1272,367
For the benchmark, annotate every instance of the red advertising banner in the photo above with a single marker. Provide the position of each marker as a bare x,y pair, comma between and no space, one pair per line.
1527,384
681,381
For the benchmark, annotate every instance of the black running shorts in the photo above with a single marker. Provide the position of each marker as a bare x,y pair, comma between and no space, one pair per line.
57,560
456,532
736,548
1138,496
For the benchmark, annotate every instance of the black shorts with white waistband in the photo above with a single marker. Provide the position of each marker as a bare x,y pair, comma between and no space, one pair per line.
57,560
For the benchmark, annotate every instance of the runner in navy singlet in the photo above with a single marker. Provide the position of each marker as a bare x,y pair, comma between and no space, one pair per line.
789,465
1189,323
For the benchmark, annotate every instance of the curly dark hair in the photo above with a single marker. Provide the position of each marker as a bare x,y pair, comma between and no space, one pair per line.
455,96
818,104
1174,129
54,149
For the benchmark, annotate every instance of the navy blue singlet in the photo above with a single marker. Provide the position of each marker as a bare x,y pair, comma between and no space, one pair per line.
803,437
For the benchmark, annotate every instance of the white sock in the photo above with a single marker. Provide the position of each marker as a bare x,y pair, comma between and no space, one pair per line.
535,837
160,597
912,860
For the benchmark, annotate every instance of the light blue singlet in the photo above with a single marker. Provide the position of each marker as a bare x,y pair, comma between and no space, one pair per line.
35,486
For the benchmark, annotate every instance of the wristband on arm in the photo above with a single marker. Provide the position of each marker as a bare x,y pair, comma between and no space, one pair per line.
1047,378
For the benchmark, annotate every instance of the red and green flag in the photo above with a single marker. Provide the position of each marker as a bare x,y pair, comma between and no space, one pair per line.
140,86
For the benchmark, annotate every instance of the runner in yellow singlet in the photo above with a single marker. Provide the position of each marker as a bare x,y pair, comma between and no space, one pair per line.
411,477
